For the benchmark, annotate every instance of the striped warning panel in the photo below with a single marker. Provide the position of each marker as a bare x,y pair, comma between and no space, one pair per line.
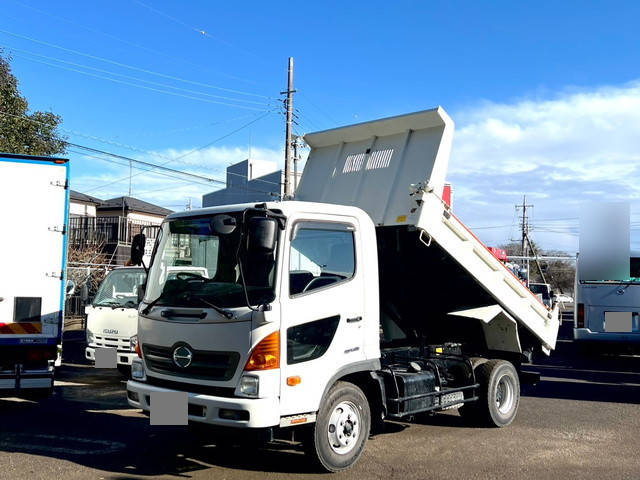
20,328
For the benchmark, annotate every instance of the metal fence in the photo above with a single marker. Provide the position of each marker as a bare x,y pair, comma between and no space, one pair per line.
107,230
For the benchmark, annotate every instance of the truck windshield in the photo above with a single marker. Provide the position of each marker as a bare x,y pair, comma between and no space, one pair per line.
196,265
120,288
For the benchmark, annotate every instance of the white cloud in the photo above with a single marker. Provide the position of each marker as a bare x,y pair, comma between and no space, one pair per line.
578,146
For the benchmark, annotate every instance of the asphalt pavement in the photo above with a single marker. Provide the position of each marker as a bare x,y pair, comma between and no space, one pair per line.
581,421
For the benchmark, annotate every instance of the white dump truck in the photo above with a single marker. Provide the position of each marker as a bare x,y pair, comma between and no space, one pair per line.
363,299
34,206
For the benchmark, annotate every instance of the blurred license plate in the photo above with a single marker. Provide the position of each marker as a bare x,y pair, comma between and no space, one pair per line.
620,322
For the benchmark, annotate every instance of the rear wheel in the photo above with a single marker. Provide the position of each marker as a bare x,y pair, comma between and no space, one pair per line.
499,395
341,429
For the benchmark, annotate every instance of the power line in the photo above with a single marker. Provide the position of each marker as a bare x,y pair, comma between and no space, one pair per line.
127,42
200,31
169,159
194,150
195,178
123,82
131,67
334,122
138,79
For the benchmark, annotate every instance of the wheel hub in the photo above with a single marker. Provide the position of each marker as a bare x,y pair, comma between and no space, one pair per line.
344,427
505,394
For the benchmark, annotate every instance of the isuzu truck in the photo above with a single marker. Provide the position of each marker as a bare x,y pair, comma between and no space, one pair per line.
112,317
34,199
363,299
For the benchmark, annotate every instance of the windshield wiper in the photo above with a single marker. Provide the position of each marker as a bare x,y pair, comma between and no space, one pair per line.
189,296
150,305
222,311
108,303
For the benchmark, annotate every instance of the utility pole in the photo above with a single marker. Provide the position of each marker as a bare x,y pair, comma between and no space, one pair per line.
287,148
525,234
130,175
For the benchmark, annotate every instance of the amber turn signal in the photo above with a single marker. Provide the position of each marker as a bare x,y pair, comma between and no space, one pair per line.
293,381
266,354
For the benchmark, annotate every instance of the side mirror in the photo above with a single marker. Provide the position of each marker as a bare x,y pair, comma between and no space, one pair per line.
263,233
137,249
71,288
84,293
140,293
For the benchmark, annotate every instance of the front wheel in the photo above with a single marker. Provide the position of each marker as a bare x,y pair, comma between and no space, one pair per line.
498,395
341,429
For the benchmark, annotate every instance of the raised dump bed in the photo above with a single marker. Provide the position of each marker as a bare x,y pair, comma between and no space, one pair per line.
395,170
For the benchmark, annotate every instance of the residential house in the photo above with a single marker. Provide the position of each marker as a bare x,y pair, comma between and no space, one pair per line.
114,224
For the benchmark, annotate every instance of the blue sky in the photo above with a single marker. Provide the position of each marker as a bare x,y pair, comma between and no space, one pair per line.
544,94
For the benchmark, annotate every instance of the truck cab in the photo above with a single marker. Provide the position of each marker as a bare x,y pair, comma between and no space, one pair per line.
112,317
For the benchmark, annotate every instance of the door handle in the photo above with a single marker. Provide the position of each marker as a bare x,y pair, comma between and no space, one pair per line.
354,319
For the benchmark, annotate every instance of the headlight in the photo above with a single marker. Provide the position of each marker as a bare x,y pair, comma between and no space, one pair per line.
137,370
90,337
249,385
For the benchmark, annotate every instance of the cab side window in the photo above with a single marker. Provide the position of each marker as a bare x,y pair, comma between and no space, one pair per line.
321,255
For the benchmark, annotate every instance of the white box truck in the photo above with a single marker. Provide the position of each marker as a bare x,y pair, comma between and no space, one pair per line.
364,298
34,206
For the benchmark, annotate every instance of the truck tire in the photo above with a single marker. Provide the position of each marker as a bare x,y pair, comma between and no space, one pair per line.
124,370
341,430
499,395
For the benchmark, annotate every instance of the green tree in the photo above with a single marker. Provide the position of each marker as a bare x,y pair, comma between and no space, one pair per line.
20,131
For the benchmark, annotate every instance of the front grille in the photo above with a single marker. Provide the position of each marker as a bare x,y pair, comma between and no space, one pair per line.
205,365
189,387
121,344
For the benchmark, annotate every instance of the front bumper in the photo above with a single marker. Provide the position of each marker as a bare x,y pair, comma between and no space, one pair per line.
26,379
263,412
122,357
587,335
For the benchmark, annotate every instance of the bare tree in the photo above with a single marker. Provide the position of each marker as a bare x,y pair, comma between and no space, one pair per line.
87,260
559,273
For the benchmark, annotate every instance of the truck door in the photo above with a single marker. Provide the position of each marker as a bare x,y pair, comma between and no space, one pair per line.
323,305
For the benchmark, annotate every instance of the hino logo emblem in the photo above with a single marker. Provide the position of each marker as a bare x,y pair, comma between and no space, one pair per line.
182,356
